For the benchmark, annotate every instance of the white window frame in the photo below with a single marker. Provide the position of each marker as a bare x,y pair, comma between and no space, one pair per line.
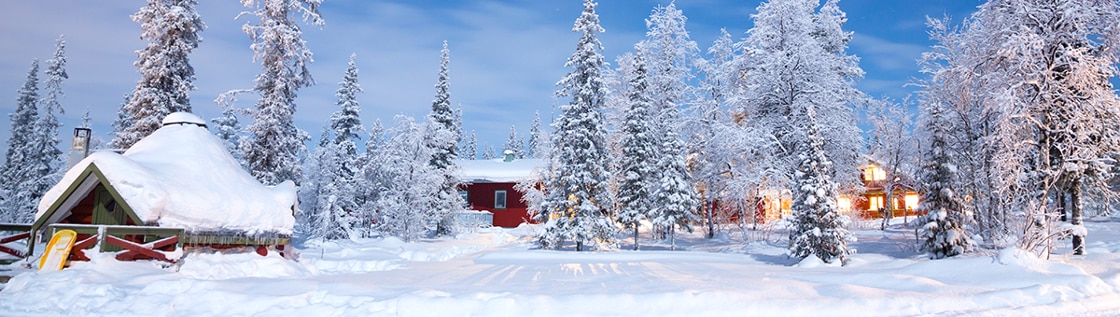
504,201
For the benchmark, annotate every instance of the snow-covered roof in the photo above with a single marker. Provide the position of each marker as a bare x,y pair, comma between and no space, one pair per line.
182,176
497,170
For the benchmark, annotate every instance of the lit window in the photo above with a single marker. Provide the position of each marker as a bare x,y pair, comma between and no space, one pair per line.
499,199
912,201
874,202
874,173
844,203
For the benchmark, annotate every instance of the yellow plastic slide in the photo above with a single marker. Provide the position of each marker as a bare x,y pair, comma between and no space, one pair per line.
58,250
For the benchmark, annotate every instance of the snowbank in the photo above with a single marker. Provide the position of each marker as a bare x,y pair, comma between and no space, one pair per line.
497,272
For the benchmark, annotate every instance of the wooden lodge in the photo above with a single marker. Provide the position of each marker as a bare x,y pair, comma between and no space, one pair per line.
177,189
488,185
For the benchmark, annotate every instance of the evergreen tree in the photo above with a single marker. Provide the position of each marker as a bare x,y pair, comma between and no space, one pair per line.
172,29
47,160
275,143
817,228
674,200
942,228
442,136
514,144
638,162
472,148
228,129
442,114
338,199
535,137
21,147
578,197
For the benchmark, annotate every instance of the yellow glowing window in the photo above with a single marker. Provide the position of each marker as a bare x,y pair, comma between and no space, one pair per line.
844,203
912,201
874,173
874,202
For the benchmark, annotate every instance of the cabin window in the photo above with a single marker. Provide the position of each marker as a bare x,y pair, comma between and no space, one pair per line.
912,201
499,199
874,173
874,203
844,203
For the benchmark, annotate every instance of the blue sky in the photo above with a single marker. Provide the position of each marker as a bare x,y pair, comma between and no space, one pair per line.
505,55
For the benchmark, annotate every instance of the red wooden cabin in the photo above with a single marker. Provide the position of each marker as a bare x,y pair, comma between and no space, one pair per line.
488,185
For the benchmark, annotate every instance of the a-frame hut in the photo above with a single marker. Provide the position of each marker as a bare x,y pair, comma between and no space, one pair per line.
179,185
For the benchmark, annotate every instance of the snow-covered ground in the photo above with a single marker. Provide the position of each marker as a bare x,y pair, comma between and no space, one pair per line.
497,272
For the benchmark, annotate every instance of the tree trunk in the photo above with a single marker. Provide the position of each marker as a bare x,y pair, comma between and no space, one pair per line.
635,237
579,246
1062,205
711,224
1075,218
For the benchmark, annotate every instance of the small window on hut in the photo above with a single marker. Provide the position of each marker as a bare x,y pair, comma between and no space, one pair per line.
499,199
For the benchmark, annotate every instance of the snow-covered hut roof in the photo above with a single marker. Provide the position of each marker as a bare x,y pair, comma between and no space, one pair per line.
497,170
182,176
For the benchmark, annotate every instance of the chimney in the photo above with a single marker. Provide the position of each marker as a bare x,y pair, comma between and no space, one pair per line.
509,156
80,147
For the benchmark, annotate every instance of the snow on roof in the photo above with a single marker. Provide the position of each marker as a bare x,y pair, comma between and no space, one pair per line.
497,170
182,176
183,117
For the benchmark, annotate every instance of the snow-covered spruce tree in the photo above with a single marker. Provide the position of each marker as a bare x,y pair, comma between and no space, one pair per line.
577,202
274,143
488,152
228,129
638,163
172,29
514,144
794,65
442,136
46,159
21,146
401,171
674,199
337,213
535,137
942,226
817,228
471,148
1056,133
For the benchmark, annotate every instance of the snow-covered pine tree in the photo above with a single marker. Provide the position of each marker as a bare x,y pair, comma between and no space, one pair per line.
228,129
46,159
21,147
488,152
442,135
674,199
535,137
514,144
172,29
638,163
472,148
274,144
340,178
442,114
578,197
942,226
818,228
